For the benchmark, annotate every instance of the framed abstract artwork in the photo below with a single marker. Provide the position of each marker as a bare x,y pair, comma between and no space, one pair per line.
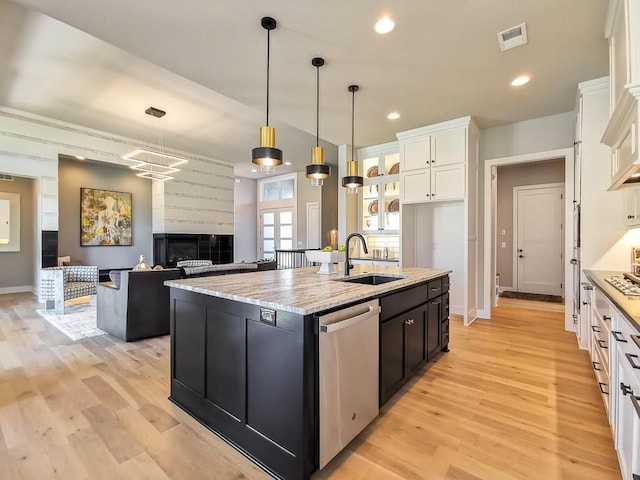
105,218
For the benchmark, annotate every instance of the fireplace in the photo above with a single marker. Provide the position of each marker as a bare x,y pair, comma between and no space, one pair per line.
169,248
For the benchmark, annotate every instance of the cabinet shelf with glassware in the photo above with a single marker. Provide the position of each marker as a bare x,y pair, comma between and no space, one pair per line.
380,194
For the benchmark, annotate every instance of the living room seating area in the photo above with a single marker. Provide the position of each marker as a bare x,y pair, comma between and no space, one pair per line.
58,284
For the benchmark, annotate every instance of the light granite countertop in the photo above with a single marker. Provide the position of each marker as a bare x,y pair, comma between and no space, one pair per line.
303,290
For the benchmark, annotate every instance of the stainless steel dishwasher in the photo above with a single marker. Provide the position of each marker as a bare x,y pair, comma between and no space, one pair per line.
348,375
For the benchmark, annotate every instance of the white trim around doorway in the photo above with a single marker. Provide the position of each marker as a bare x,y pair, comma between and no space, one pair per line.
489,242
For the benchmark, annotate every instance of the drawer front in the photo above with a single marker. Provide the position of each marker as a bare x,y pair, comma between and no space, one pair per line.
602,377
602,308
625,336
400,302
435,288
445,333
600,342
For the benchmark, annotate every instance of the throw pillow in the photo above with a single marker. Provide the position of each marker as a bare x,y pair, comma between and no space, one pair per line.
114,275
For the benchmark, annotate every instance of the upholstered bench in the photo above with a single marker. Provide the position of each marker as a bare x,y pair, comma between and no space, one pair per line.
58,284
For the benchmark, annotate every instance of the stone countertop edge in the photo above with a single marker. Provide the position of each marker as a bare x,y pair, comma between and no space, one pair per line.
629,306
303,291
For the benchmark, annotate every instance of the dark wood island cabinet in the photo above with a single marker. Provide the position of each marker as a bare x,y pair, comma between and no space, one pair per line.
248,369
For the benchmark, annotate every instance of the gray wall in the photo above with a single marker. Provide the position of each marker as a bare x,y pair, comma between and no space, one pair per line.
18,267
537,135
72,175
510,176
245,196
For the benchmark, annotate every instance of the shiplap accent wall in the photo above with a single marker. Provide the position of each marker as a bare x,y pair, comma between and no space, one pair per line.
199,200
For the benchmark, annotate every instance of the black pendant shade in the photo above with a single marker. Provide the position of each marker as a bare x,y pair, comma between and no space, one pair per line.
352,181
267,156
317,171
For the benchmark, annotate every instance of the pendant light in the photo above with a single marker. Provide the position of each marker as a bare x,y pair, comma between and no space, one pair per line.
267,156
352,181
317,171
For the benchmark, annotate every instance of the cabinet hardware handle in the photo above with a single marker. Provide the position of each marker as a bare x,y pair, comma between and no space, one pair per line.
433,194
595,329
585,303
595,366
520,256
629,217
409,321
619,339
602,344
575,319
636,339
636,406
632,360
604,317
626,389
437,302
435,289
602,390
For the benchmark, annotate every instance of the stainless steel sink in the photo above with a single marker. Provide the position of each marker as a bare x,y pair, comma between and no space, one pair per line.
372,279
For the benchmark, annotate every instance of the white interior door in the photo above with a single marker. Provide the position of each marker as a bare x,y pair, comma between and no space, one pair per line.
277,231
313,225
538,216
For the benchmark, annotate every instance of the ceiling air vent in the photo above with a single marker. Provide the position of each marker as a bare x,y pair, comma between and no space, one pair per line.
6,178
513,37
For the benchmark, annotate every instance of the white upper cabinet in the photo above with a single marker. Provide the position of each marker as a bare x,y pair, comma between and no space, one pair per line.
623,33
433,162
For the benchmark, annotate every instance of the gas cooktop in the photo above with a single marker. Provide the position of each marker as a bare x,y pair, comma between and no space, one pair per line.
627,284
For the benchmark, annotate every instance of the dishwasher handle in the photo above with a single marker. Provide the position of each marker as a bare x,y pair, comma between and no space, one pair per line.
333,327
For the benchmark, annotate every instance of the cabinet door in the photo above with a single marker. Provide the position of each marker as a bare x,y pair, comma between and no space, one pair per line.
631,207
448,147
415,186
415,153
447,183
188,338
391,357
434,322
414,334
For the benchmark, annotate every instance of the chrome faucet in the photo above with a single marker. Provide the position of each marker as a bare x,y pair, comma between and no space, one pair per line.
347,263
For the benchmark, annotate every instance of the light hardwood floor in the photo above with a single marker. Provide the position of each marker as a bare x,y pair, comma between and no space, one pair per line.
513,399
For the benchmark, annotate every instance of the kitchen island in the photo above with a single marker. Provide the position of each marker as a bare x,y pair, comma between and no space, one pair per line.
245,351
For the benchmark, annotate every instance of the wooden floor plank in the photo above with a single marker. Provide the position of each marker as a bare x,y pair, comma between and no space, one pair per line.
513,399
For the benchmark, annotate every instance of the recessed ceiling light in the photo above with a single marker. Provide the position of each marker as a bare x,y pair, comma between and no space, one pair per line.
79,157
521,80
253,170
384,25
287,163
393,116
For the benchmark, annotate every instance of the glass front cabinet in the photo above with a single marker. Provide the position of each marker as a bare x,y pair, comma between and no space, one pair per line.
379,204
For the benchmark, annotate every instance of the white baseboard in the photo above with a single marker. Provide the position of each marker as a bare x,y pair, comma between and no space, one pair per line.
22,289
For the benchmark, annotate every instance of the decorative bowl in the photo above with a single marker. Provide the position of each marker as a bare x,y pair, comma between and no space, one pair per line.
326,259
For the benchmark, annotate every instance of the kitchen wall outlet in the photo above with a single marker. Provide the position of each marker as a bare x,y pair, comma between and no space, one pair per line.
503,232
503,245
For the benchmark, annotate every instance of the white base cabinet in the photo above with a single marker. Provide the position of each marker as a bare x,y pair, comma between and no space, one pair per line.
615,353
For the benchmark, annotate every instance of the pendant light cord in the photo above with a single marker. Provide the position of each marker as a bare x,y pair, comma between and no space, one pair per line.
268,50
317,106
353,114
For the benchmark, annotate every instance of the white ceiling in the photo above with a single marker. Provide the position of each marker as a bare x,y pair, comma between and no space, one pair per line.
101,64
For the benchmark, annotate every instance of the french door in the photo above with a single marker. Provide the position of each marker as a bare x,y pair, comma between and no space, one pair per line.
277,231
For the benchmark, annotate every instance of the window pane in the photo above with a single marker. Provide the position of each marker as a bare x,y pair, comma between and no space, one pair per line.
286,218
269,191
287,188
268,219
269,256
268,246
286,244
269,232
286,231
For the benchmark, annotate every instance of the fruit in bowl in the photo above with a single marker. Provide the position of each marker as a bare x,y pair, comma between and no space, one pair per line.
328,248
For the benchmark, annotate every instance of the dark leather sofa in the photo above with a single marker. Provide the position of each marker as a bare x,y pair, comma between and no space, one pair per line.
139,307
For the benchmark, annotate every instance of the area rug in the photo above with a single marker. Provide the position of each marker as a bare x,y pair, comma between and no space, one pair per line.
77,323
532,296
